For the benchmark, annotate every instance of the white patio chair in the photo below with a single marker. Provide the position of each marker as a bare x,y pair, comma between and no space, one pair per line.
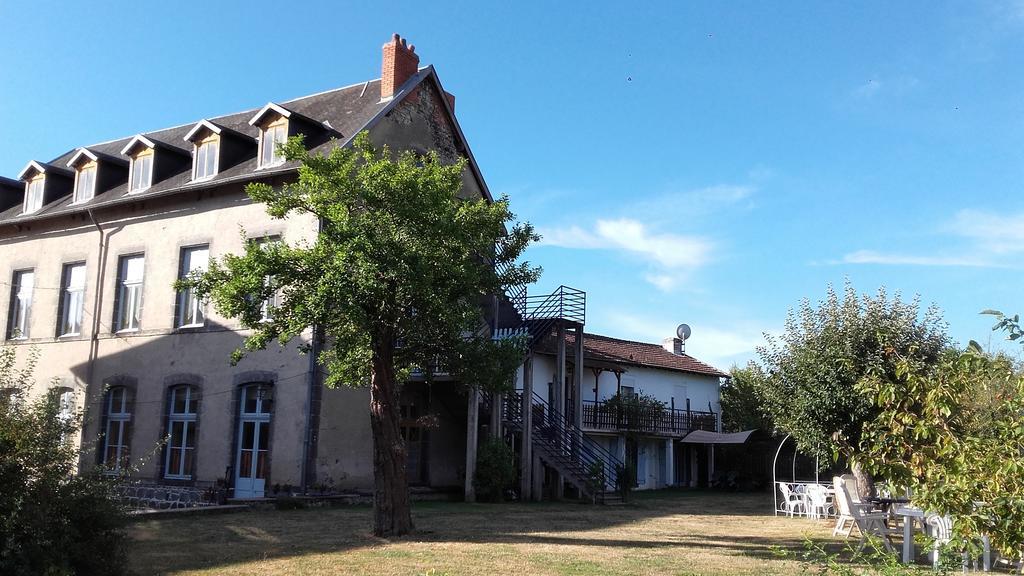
792,500
941,528
869,523
817,502
843,511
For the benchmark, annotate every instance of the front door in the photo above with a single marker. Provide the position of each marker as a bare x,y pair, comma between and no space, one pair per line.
253,441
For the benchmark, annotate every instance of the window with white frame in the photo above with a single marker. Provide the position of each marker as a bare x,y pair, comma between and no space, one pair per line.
85,183
191,311
206,158
21,304
272,301
118,427
272,135
129,293
141,171
181,432
65,405
72,299
34,194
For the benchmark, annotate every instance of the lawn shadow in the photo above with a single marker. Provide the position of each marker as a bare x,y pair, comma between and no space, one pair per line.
671,522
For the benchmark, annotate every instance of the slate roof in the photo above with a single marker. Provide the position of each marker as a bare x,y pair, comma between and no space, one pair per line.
345,112
607,350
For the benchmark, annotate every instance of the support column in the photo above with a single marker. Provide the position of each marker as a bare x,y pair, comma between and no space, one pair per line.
497,399
577,376
670,462
559,383
473,413
711,463
694,470
526,437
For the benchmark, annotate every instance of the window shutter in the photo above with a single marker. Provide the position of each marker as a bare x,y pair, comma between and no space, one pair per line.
62,300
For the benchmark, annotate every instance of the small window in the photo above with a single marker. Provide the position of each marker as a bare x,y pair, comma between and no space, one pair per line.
191,311
141,171
206,158
85,184
72,300
115,439
272,302
34,194
129,293
181,424
65,405
271,137
628,392
21,304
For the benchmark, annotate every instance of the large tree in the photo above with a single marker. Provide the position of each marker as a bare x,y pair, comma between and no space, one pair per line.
741,407
396,279
813,368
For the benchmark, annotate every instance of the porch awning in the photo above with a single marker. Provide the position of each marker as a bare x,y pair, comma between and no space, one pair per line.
705,437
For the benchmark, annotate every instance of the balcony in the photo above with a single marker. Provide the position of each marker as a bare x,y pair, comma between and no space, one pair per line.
614,417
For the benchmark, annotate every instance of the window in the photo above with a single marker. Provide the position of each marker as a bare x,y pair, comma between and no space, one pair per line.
272,301
8,396
628,392
115,438
65,405
129,293
206,159
21,304
190,308
181,427
34,194
85,184
141,171
72,300
272,136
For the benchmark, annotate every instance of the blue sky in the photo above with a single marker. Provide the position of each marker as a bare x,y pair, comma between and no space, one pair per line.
698,162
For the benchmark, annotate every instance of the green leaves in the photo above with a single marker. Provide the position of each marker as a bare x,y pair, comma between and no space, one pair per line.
404,259
812,371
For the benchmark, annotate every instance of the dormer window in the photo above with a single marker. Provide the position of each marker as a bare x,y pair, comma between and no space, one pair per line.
272,135
34,194
141,171
85,183
206,158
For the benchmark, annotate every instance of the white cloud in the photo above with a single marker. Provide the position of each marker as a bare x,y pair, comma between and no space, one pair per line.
998,233
872,257
990,237
671,256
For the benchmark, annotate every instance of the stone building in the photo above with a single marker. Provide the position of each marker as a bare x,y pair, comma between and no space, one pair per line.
92,241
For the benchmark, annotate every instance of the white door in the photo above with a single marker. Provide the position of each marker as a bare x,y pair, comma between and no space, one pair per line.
641,465
253,441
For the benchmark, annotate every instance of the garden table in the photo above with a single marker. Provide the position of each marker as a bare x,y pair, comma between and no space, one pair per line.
911,513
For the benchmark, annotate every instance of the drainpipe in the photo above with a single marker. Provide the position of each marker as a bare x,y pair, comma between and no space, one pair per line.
94,337
314,351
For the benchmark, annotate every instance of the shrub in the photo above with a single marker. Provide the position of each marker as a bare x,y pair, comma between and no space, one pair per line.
52,521
495,469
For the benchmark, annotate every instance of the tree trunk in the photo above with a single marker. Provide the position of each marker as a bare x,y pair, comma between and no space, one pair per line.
391,510
865,482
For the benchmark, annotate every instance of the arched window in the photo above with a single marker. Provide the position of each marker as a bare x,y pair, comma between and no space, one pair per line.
117,406
183,406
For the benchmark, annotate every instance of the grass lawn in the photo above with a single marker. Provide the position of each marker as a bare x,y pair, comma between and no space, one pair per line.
671,532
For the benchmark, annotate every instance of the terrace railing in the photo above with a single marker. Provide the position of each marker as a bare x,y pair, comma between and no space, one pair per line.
616,417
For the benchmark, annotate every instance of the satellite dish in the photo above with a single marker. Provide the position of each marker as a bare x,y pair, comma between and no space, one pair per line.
683,332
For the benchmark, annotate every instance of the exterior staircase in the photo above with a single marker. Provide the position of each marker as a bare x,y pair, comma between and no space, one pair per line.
580,460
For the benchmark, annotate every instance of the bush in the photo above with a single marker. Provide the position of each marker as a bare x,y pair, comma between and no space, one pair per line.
52,521
495,469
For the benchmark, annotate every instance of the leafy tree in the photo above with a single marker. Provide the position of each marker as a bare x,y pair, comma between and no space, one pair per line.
395,279
52,521
741,405
495,469
813,368
954,434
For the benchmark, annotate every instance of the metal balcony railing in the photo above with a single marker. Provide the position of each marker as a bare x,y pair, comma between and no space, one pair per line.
615,417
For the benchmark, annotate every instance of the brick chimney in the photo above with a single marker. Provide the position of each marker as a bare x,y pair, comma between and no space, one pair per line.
400,63
673,345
